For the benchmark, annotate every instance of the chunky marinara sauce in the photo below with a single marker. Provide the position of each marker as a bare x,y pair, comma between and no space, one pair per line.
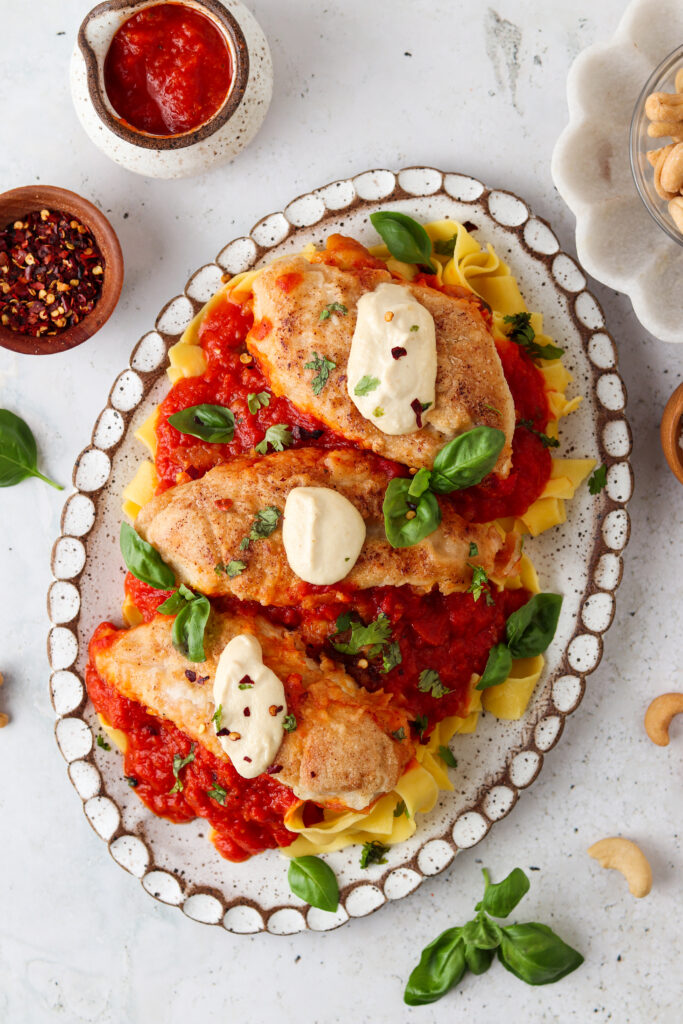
452,634
168,70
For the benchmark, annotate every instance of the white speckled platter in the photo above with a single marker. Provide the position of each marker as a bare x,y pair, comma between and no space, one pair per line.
616,239
581,559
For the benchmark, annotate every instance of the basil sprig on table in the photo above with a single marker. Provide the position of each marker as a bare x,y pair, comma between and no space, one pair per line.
528,632
312,880
144,561
213,423
411,512
405,239
18,452
532,952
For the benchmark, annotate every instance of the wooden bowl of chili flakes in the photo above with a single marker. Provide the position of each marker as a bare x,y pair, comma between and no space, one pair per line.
61,269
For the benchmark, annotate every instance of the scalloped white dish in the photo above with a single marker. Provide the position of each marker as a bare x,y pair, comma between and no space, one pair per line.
581,559
617,240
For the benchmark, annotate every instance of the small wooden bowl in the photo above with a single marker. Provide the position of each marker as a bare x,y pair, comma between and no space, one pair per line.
670,432
17,203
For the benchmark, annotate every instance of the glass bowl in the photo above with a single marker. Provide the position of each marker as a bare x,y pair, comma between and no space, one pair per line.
661,80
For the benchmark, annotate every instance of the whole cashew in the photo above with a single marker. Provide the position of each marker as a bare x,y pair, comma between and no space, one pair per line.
663,708
664,106
657,158
671,174
676,211
623,855
661,129
678,84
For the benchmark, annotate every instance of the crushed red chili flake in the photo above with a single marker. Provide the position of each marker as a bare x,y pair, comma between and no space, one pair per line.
51,273
416,406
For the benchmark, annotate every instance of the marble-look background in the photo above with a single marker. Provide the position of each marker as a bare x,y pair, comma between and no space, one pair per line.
461,86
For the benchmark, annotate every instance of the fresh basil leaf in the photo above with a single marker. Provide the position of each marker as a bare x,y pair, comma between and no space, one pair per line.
18,452
430,682
145,563
482,933
467,459
265,522
172,604
497,667
421,724
188,628
474,550
256,399
597,479
477,959
373,853
323,367
399,734
480,583
405,239
101,742
213,423
419,483
446,755
365,385
279,437
545,439
445,246
217,717
535,954
179,762
400,809
501,898
314,881
402,532
442,965
218,794
531,628
523,334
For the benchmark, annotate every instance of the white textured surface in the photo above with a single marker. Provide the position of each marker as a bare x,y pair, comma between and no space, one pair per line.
79,939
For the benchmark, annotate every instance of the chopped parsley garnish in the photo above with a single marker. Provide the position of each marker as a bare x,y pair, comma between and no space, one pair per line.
257,399
178,764
264,524
547,442
217,716
474,550
400,809
415,327
365,385
279,437
430,682
445,246
101,742
218,794
399,734
420,724
447,757
132,781
289,723
373,853
323,367
492,408
378,411
480,584
233,568
523,334
597,480
333,307
391,656
373,636
246,686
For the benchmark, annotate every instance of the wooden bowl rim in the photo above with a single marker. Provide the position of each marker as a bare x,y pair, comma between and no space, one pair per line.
37,197
670,433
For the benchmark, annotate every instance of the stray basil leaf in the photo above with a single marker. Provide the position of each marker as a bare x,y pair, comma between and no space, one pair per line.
546,441
442,965
467,459
18,452
446,755
391,657
532,627
535,954
402,532
373,636
132,781
333,307
482,933
477,959
289,723
233,568
365,385
400,809
474,550
445,246
145,563
597,479
405,239
501,898
213,423
523,334
279,437
255,400
179,762
479,584
265,523
399,734
373,853
421,724
323,367
419,483
217,717
188,629
218,794
430,682
497,667
314,881
101,742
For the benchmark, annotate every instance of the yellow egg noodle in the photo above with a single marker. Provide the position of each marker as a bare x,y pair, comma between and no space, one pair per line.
488,276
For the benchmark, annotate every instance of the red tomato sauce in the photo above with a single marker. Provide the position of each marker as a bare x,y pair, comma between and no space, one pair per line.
168,70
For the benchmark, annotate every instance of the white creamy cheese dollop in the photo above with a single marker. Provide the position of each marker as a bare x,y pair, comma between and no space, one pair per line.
384,385
322,533
254,714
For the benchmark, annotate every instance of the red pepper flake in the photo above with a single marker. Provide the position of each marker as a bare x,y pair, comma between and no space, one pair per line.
190,675
44,256
245,681
416,406
398,351
274,769
223,732
246,712
247,759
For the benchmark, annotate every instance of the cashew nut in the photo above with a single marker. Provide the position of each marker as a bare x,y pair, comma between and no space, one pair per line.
678,82
676,211
664,106
660,130
671,174
623,855
663,708
657,158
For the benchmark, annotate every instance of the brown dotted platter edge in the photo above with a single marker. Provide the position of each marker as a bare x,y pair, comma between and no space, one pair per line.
141,847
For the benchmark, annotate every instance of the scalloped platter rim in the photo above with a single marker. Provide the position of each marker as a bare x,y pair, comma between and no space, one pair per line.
582,558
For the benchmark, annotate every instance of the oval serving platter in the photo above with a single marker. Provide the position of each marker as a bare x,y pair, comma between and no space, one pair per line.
581,559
